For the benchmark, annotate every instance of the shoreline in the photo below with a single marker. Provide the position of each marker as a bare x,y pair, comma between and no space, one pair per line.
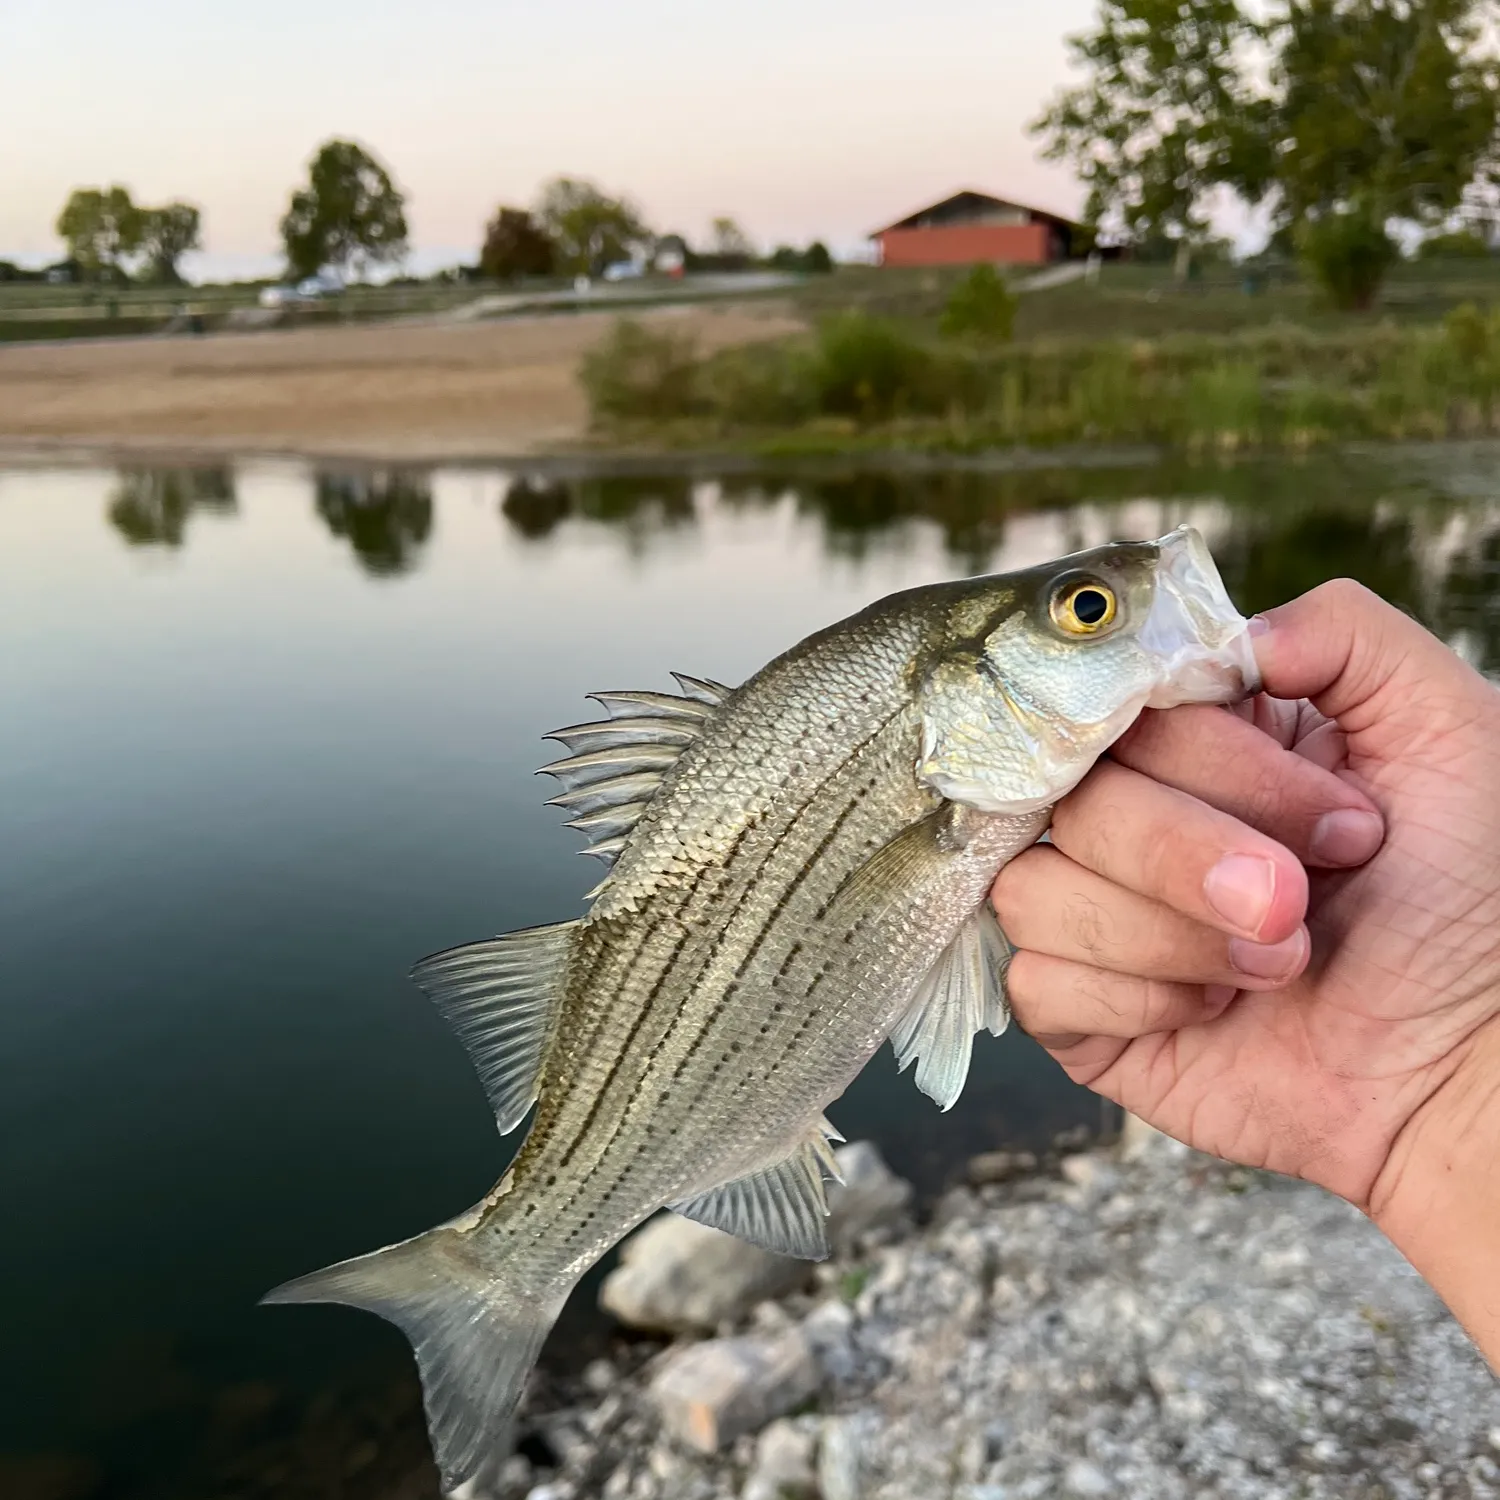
1129,1321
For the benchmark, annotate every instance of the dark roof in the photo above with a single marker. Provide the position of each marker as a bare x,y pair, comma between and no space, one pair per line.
968,198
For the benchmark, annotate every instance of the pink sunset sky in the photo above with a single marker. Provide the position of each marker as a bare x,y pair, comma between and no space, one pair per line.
801,118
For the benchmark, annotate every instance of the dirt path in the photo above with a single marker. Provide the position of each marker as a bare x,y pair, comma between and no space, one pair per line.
391,391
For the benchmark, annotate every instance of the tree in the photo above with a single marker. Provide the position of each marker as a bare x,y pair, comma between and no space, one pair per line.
350,214
514,245
589,228
101,228
1387,109
166,235
730,241
1164,118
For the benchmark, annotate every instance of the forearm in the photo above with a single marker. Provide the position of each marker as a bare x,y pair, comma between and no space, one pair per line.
1439,1198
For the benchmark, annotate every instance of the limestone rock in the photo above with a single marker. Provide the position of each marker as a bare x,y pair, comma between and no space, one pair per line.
678,1276
871,1197
839,1460
709,1394
783,1466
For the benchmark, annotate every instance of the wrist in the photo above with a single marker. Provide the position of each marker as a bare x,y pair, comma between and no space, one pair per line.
1438,1196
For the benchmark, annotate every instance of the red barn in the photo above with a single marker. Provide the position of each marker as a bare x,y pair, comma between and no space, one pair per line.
970,227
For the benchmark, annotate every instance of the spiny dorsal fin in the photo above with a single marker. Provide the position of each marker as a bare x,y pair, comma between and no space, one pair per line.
498,996
781,1208
963,993
615,765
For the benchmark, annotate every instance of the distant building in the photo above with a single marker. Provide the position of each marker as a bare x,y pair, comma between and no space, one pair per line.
970,227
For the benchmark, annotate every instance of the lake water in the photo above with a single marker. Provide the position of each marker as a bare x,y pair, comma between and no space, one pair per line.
266,736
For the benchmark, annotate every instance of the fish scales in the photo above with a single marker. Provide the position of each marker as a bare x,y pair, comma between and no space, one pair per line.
802,874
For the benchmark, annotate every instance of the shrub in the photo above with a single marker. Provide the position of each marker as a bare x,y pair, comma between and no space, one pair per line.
1348,253
1467,244
636,373
870,369
981,307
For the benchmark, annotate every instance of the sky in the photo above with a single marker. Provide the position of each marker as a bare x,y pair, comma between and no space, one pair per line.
800,118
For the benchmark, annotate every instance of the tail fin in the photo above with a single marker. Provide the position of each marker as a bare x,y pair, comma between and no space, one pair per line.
475,1335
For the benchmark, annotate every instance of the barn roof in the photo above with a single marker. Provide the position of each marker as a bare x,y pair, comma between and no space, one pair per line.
969,197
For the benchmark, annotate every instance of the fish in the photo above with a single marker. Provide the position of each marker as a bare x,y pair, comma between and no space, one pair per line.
797,871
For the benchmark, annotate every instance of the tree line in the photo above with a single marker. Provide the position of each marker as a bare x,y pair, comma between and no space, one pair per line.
1341,120
350,216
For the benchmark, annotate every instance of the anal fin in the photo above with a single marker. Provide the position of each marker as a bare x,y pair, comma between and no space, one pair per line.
962,994
781,1208
499,997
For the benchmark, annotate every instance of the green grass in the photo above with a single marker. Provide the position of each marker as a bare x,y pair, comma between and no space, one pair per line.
863,382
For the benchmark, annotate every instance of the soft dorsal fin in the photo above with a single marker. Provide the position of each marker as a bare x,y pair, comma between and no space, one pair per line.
615,765
963,993
781,1208
499,997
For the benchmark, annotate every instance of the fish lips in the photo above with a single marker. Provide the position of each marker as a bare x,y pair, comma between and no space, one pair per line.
1193,630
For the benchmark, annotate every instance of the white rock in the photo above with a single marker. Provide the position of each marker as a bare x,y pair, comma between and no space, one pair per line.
870,1198
1084,1479
1090,1172
708,1394
677,1276
783,1464
839,1460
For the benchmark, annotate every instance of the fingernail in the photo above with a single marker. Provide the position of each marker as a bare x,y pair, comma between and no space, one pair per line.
1257,625
1216,997
1267,960
1240,888
1346,837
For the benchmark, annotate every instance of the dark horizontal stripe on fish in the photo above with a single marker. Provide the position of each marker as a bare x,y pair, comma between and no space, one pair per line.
798,878
648,1006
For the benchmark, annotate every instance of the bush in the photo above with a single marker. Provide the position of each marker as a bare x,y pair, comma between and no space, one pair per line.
1348,253
870,369
638,374
1467,244
981,307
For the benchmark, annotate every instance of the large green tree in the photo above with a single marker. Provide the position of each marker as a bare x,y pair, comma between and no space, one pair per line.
1343,115
350,215
515,245
589,228
101,227
1385,110
166,235
1163,117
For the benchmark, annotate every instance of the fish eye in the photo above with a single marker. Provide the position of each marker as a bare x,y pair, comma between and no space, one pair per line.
1083,607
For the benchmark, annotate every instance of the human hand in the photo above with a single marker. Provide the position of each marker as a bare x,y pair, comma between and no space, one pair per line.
1220,940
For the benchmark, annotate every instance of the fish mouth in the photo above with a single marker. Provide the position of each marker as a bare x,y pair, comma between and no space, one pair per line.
1200,639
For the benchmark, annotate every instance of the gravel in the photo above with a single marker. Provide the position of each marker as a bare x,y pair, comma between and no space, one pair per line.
1165,1326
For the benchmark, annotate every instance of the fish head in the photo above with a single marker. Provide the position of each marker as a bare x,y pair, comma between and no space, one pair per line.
1039,672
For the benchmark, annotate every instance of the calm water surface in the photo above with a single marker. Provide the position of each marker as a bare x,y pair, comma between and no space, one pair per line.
265,738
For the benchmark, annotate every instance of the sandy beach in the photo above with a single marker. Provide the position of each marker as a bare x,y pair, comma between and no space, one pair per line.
412,390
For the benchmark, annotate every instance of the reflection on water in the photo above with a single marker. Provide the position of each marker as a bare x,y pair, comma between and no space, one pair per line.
150,507
261,786
386,516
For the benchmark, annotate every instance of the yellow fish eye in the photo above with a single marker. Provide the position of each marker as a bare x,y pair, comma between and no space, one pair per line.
1083,607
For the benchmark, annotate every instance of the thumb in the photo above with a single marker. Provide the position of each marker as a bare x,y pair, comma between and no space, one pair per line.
1360,660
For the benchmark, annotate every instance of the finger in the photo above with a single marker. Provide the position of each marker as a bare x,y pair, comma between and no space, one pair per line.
1166,845
1358,658
1232,765
1049,905
1059,1002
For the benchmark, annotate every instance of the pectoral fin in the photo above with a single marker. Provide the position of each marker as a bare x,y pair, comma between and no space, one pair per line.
781,1208
963,993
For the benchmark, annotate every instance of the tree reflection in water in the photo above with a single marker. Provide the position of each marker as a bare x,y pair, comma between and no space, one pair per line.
386,515
1423,534
639,506
151,507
